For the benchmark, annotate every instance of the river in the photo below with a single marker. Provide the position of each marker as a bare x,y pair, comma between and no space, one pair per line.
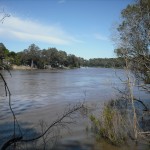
44,94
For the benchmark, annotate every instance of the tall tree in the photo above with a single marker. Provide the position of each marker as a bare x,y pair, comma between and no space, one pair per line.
32,53
73,61
3,51
134,34
134,47
62,58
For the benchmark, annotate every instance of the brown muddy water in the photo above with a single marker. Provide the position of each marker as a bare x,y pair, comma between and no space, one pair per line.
43,95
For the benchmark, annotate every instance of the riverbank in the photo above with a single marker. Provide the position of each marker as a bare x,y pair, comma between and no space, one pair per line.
15,67
22,67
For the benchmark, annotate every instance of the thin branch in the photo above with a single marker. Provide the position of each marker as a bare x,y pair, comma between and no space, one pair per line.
56,123
147,132
5,85
10,142
8,93
59,120
135,99
5,15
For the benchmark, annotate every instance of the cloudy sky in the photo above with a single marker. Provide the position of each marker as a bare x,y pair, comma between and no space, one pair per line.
80,27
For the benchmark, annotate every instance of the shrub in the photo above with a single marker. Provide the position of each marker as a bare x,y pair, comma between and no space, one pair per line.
112,124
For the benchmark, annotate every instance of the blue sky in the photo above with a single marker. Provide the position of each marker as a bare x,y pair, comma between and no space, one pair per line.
80,27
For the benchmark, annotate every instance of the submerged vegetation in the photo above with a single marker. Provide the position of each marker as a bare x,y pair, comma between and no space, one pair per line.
112,124
115,125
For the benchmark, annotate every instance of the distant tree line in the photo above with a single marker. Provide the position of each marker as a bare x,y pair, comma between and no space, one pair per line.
34,57
106,62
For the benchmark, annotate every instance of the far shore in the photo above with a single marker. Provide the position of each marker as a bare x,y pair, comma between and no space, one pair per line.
22,67
15,67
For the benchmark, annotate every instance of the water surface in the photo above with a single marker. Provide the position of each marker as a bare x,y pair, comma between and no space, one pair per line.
43,94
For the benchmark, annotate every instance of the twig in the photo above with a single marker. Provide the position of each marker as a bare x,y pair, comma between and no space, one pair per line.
4,16
59,120
14,139
147,132
10,142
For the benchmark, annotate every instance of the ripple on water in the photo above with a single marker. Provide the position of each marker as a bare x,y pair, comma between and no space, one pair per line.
32,90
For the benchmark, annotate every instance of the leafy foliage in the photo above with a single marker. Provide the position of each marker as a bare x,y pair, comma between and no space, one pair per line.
134,32
111,125
106,62
34,57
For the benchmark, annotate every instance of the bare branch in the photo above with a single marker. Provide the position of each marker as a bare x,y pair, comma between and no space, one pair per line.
4,16
57,122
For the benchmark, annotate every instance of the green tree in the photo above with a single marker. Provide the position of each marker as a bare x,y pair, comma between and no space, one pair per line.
3,51
73,61
134,48
62,55
11,56
33,54
134,34
53,57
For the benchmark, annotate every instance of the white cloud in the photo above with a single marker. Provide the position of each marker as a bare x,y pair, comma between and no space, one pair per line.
27,30
62,1
100,37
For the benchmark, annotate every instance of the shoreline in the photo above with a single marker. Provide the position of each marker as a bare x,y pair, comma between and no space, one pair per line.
22,67
15,67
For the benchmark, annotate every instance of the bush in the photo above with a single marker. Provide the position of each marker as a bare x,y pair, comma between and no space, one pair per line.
112,124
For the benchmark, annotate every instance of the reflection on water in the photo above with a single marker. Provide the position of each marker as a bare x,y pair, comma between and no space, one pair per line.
45,90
